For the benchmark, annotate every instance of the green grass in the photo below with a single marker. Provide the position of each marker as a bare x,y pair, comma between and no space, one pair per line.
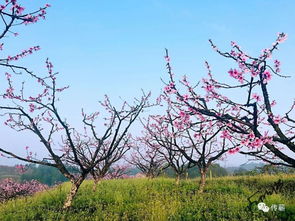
159,199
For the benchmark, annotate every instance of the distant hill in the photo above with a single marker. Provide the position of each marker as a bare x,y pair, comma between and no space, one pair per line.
8,172
244,167
133,171
251,166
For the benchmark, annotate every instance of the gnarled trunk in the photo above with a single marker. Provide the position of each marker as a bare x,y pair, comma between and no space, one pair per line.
74,189
96,181
150,177
202,181
177,179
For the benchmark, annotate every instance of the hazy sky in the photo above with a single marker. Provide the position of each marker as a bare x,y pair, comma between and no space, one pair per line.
117,47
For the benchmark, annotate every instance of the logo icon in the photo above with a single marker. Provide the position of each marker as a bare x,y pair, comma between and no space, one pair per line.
274,207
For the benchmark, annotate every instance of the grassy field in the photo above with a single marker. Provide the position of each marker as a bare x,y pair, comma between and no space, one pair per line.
159,199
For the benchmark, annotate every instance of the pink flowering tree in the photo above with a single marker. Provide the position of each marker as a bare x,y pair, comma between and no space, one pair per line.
250,121
199,139
65,145
147,159
13,14
10,189
38,113
157,136
107,168
118,171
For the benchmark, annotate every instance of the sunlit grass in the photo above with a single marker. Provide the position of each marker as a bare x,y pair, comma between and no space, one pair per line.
225,198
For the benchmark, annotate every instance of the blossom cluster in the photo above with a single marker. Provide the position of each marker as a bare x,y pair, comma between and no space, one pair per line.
10,189
248,122
15,8
117,172
23,53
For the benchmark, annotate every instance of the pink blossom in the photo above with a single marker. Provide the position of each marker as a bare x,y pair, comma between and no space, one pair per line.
245,142
233,53
251,136
185,97
256,97
256,143
266,53
197,135
225,134
170,89
10,189
267,140
254,72
32,107
277,65
209,88
282,37
278,119
273,103
266,76
234,150
184,117
236,74
233,44
178,124
19,9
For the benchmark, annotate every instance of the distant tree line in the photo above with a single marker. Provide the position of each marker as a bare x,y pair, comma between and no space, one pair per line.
215,170
51,176
45,174
265,169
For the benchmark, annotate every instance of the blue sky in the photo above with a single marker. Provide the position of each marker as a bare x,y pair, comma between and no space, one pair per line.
117,47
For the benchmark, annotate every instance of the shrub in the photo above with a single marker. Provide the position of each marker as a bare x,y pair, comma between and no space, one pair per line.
10,189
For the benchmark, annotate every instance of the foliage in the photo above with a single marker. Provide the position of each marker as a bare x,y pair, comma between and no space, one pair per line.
8,172
10,189
158,199
216,171
44,174
265,169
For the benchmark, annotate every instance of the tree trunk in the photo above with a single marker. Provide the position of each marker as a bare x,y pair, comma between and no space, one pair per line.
96,182
177,180
150,175
74,189
202,181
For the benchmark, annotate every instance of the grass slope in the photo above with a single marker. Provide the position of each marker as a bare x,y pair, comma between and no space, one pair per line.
158,199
